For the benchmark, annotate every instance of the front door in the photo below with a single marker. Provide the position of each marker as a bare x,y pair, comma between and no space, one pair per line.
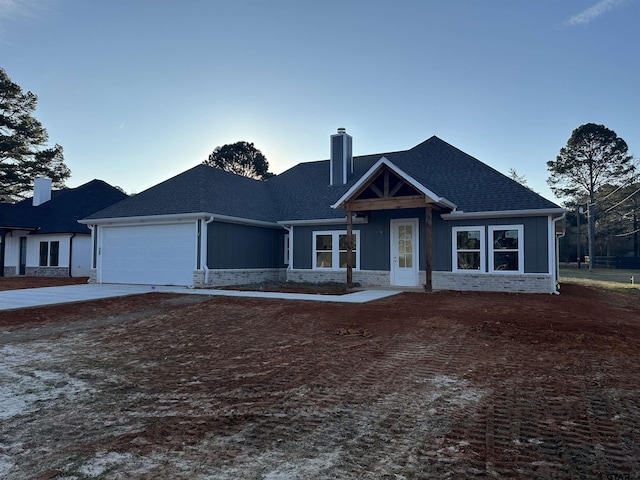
404,252
23,256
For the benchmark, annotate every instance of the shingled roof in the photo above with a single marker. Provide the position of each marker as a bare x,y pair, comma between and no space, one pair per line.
303,192
62,212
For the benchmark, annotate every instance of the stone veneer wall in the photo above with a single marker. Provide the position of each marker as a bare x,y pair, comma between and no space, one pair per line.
364,278
493,282
528,283
223,277
47,271
93,276
10,271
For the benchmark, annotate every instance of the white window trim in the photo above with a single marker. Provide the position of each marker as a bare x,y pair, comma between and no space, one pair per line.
335,252
520,229
454,248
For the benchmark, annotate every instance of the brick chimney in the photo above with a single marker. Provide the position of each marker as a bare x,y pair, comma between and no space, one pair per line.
341,158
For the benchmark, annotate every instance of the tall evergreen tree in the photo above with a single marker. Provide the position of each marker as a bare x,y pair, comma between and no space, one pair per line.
23,144
594,156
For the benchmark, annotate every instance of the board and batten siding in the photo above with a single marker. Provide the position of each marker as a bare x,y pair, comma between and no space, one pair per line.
231,245
375,238
536,250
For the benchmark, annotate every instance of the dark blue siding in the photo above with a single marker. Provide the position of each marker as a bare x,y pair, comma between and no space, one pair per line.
375,240
231,245
536,251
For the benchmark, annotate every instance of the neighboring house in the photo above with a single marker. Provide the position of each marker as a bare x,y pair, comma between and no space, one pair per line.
41,235
431,216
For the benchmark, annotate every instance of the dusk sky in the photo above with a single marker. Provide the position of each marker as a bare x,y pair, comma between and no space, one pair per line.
139,91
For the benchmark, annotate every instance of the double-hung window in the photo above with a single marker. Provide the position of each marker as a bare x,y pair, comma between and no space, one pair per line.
468,249
330,250
49,254
506,248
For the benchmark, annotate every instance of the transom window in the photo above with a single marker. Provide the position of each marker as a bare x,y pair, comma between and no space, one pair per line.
468,249
330,250
506,250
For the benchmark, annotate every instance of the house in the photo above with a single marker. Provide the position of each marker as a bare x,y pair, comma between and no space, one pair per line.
41,236
429,216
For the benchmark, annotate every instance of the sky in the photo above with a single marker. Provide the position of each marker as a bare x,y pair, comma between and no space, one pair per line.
139,91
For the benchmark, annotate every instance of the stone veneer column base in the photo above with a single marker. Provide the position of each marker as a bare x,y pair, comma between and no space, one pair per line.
93,276
10,271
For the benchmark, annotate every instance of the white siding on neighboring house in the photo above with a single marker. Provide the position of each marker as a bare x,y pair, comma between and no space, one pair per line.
161,254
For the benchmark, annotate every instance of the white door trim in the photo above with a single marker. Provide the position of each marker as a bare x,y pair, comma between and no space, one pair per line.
393,241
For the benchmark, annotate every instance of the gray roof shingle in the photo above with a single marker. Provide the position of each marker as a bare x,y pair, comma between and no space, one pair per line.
62,212
303,192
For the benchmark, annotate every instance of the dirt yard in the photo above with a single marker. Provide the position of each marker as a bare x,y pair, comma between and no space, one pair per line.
442,385
16,283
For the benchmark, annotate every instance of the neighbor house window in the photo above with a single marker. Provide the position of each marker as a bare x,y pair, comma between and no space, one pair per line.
44,254
330,250
49,254
54,250
506,248
468,249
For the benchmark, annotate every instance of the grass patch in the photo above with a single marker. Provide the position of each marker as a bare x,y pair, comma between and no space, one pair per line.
609,278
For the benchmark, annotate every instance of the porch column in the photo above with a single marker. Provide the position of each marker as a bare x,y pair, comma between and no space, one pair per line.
349,249
429,248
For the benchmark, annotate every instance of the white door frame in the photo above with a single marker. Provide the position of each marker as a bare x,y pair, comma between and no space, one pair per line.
393,244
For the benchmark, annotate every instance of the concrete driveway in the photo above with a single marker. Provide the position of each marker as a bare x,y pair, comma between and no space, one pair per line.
37,297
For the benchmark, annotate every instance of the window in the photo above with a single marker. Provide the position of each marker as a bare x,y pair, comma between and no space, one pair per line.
44,254
49,254
54,249
506,251
468,249
330,250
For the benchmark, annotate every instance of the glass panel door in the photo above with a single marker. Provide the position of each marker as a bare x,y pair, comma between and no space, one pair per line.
22,267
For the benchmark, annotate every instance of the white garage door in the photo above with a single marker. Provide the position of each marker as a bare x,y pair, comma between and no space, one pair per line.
149,255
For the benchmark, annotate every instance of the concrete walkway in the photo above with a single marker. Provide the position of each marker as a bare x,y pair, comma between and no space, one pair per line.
37,297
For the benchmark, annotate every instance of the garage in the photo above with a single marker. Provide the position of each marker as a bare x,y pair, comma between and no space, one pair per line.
163,254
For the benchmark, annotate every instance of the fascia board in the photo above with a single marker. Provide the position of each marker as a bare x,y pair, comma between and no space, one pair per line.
324,221
173,218
503,213
408,178
26,229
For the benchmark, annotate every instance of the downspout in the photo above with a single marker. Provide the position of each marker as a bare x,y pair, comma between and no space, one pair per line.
71,254
556,275
3,239
205,257
289,229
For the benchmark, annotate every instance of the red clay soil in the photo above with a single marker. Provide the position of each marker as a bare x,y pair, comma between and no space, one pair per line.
17,283
441,385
